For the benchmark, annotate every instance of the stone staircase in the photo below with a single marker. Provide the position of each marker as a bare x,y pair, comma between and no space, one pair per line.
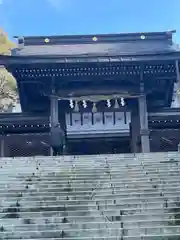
91,197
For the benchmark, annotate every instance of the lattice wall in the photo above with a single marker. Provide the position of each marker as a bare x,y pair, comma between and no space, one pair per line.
26,145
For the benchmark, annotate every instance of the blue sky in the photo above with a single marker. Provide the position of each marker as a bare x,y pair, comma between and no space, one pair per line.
48,17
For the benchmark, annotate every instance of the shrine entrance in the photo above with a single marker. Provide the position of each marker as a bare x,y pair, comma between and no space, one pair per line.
99,146
135,74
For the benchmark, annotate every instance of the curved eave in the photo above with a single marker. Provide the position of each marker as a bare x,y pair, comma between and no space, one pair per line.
45,128
28,124
39,59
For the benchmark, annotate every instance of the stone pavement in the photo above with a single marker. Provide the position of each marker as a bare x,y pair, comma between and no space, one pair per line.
91,197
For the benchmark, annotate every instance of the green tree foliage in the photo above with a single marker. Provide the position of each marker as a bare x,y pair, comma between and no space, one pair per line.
8,88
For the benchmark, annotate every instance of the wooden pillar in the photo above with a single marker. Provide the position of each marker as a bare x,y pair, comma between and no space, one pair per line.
2,142
54,118
139,123
143,115
62,120
6,149
178,88
135,130
177,71
177,94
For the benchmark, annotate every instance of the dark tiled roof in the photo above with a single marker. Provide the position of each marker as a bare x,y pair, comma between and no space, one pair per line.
114,49
115,45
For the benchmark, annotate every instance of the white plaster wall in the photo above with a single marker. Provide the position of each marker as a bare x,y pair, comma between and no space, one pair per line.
121,125
176,97
17,108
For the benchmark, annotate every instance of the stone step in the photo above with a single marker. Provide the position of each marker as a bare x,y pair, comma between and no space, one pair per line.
105,173
96,183
65,174
101,164
71,186
107,230
55,192
137,213
80,205
138,219
134,189
93,206
143,181
86,187
146,237
86,195
93,159
102,156
104,177
82,160
91,225
97,166
32,194
102,186
125,214
24,227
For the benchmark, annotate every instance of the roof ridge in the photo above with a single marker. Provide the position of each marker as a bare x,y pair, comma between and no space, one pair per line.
101,34
99,38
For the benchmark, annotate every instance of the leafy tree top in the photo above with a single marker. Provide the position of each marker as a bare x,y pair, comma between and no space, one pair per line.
8,87
5,44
